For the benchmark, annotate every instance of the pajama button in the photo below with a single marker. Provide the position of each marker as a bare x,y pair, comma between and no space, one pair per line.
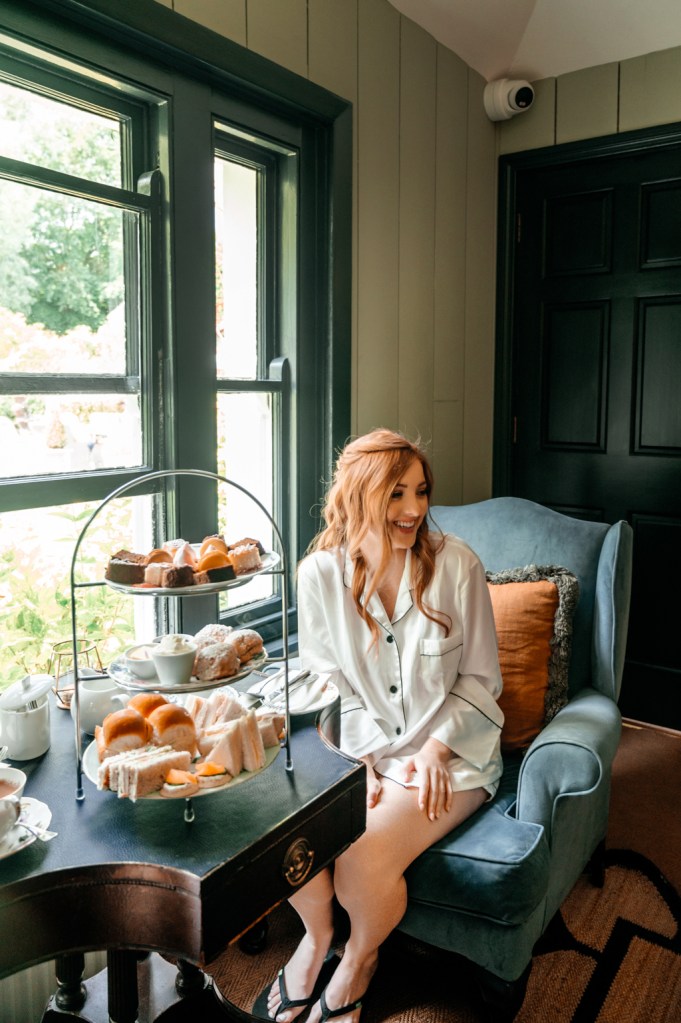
393,689
391,639
398,731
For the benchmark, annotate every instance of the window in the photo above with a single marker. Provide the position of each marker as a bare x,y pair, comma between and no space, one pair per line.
172,295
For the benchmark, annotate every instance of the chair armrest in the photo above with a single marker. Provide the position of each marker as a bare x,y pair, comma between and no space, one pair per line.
569,757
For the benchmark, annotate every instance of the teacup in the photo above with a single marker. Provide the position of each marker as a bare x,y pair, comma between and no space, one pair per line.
139,661
10,808
97,698
12,781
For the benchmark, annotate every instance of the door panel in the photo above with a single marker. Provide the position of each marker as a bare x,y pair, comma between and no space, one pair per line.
596,377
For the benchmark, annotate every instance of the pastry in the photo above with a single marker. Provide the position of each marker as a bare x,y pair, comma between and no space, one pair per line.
245,558
216,660
248,541
155,573
124,555
127,573
167,576
247,643
184,555
213,633
172,545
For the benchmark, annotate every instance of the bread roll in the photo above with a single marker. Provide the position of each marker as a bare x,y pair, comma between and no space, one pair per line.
121,731
145,703
173,726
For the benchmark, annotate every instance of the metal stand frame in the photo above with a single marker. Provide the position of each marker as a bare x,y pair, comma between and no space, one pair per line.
283,571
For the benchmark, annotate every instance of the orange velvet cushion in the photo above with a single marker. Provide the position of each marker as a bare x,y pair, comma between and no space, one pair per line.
533,616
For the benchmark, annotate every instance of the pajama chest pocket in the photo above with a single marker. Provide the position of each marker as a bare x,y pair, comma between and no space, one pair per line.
440,659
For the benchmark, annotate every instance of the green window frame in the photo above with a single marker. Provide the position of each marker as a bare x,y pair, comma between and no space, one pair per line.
189,91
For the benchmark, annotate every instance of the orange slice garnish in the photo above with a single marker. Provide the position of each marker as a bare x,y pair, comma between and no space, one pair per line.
213,559
212,543
158,555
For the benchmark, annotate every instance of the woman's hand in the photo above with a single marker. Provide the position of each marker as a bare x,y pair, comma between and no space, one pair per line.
373,784
435,787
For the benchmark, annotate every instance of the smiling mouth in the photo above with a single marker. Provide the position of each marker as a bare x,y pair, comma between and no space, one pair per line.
405,525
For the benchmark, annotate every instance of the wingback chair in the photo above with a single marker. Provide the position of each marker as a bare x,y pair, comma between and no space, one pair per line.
489,889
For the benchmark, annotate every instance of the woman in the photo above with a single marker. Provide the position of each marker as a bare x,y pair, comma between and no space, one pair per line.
401,619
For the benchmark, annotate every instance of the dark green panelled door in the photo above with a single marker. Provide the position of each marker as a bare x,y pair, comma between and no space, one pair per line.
596,379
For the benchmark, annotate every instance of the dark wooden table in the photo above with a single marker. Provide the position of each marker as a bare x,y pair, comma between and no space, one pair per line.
135,878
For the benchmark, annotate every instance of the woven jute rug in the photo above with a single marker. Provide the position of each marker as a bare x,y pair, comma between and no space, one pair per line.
612,954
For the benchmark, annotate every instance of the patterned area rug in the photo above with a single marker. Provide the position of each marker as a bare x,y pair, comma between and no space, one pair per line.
612,954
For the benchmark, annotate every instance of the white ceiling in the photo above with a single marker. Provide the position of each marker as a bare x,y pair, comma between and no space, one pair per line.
533,39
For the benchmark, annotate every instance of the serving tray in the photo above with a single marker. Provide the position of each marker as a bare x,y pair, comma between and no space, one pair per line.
126,680
268,562
91,768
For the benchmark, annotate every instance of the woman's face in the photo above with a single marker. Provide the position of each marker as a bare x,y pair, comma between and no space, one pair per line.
408,506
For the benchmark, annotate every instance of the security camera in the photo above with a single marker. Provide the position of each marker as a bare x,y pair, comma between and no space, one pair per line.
505,98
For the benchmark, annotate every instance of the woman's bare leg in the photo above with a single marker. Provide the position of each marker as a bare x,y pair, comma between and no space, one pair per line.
369,881
314,905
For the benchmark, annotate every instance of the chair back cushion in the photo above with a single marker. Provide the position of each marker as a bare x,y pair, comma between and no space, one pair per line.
533,611
510,532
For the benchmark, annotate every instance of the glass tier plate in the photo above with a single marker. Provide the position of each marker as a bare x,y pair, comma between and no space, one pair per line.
268,562
91,768
126,680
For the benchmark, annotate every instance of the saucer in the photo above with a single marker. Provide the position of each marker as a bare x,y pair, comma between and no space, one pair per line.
32,812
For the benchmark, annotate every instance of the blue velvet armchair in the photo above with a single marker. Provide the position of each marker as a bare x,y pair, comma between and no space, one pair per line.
489,889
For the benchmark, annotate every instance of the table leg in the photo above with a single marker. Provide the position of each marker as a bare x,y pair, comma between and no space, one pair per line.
70,993
123,998
146,988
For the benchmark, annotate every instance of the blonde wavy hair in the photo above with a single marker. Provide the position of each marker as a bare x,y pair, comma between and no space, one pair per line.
357,503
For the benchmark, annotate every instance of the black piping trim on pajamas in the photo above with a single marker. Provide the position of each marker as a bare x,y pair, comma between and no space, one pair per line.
471,704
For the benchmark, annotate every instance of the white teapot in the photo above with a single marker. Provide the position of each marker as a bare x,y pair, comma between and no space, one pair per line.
97,697
25,717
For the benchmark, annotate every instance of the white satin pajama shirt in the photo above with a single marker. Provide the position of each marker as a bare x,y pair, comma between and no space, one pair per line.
415,682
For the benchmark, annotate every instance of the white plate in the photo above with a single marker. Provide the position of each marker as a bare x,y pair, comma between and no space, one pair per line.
268,562
33,812
126,680
91,767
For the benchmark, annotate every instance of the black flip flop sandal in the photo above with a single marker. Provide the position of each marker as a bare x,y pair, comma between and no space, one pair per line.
259,1009
328,1013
